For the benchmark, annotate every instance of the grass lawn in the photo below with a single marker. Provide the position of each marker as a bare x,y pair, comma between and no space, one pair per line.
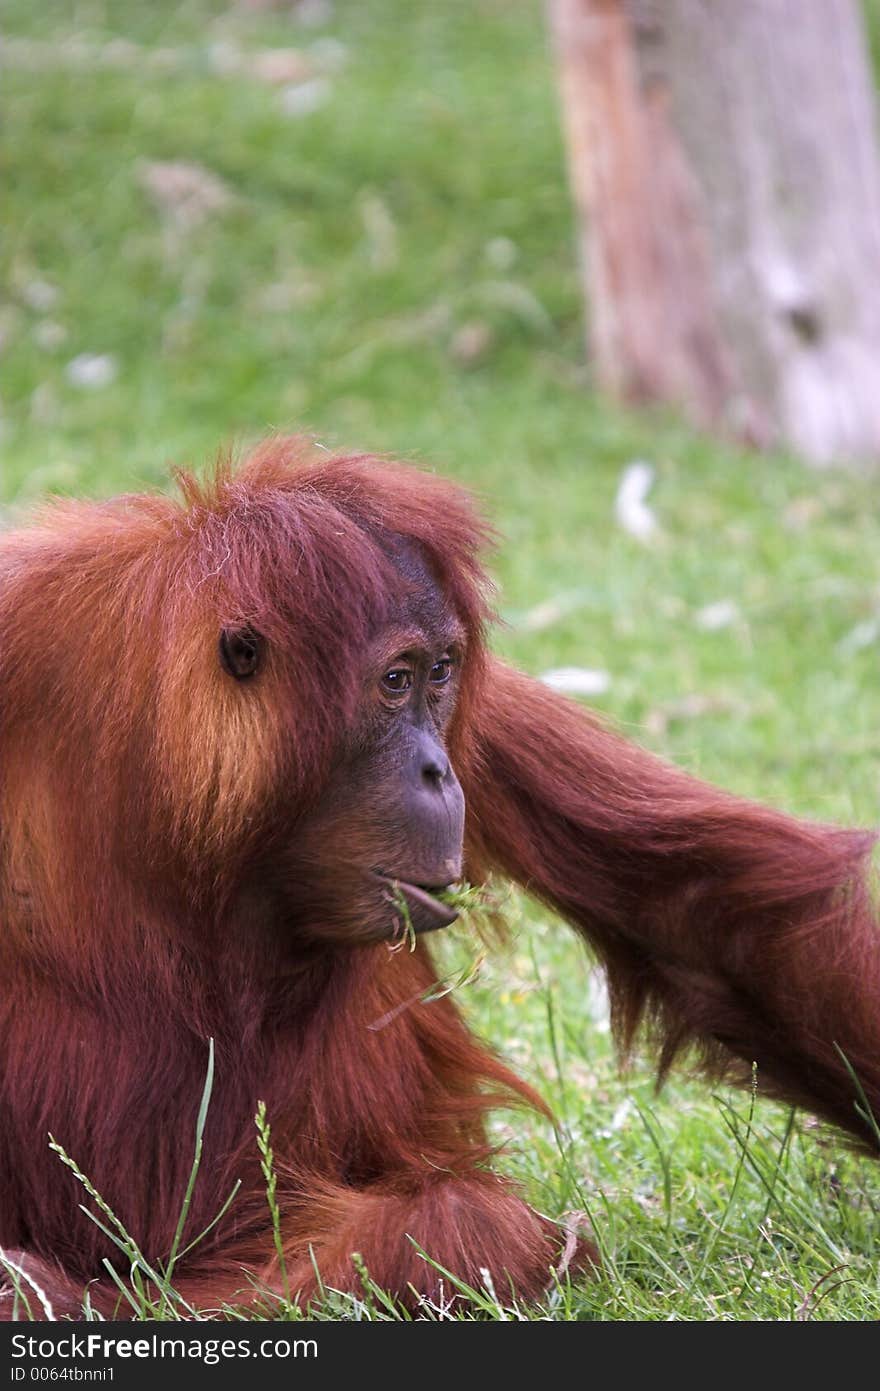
381,252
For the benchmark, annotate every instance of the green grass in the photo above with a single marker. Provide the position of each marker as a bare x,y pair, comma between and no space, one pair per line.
421,208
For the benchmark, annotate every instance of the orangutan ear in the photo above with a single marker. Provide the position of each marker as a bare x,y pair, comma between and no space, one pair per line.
240,652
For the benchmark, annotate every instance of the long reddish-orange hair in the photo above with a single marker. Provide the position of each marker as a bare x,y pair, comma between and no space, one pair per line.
135,785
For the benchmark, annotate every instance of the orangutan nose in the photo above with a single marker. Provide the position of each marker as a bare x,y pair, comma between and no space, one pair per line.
436,768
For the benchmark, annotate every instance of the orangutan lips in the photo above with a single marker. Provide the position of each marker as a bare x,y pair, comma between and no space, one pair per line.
427,913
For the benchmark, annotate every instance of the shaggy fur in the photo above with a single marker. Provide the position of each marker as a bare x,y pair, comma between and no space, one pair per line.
140,787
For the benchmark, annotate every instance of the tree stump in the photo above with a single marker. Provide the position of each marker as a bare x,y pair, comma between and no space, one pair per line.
725,170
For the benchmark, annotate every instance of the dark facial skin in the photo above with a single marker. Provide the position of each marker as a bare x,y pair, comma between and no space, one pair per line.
391,818
386,833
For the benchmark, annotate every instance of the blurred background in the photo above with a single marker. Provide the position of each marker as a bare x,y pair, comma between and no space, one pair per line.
356,218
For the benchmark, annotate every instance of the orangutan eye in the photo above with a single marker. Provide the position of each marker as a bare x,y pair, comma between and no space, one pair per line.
397,681
441,672
240,652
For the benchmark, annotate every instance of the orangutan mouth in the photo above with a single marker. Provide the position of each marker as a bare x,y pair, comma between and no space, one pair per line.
427,913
